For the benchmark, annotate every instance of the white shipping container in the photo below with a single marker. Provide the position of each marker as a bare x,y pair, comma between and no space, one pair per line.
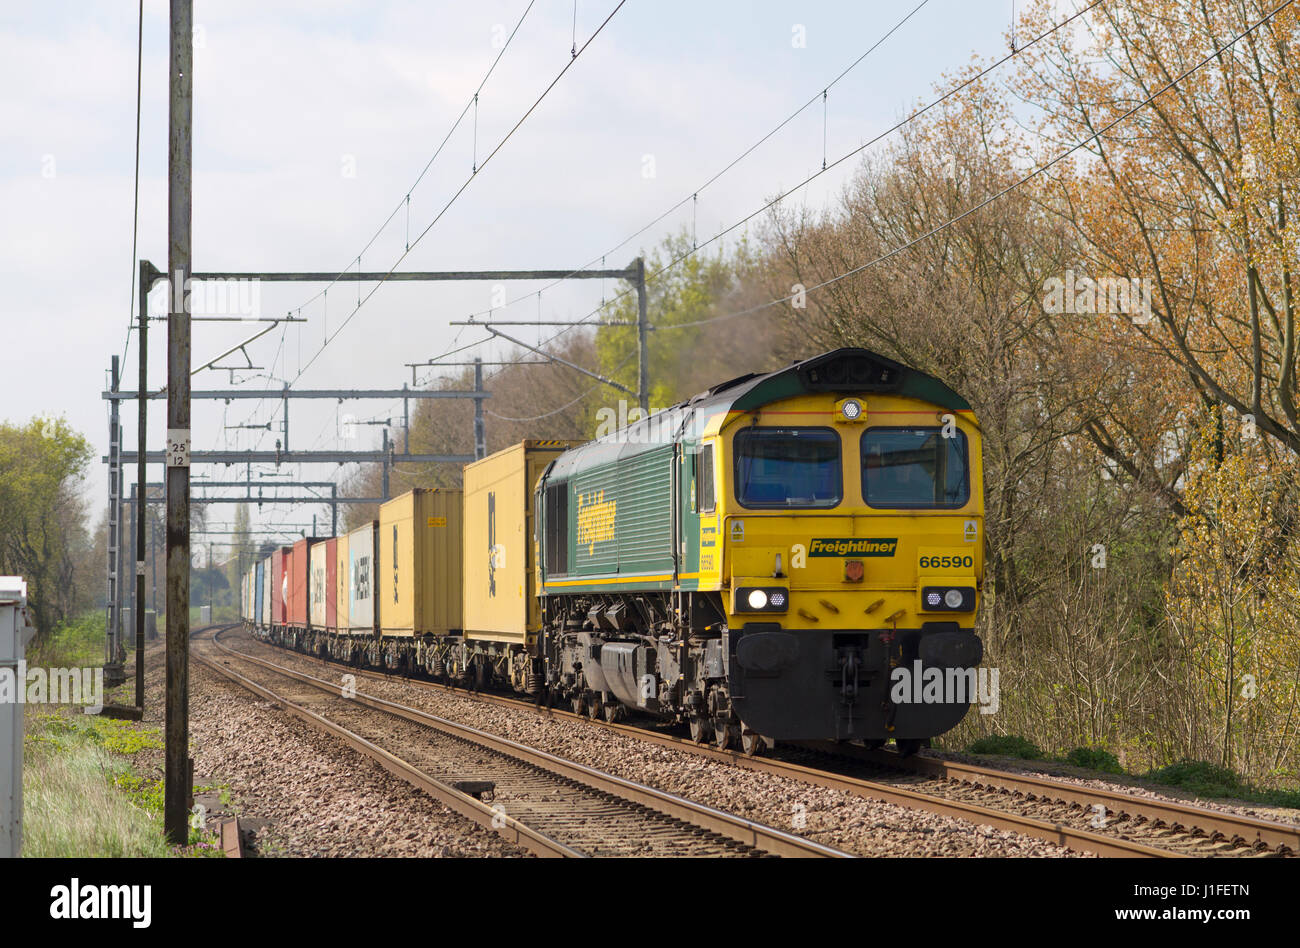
265,620
362,573
316,583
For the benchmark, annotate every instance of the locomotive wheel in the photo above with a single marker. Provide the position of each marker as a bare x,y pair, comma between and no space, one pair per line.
750,743
700,728
908,746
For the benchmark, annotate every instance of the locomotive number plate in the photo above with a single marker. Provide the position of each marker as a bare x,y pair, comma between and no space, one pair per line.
947,560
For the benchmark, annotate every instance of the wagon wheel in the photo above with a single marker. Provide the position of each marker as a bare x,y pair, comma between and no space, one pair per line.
700,728
595,707
750,743
721,735
612,712
907,746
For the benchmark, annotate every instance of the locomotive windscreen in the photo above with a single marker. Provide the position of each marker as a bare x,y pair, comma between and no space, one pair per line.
788,467
914,467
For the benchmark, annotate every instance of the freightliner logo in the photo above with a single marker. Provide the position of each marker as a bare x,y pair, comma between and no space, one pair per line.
859,546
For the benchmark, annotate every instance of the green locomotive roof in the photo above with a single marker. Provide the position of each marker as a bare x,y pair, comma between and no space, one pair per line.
841,371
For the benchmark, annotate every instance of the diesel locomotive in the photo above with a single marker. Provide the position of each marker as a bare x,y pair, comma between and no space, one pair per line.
762,562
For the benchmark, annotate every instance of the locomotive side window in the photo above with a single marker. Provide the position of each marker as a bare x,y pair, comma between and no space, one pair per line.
556,519
914,467
788,467
704,502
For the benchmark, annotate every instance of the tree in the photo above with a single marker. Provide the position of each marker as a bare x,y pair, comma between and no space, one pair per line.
685,292
42,517
1195,193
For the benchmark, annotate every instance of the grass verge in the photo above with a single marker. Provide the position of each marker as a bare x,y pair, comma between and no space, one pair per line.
82,797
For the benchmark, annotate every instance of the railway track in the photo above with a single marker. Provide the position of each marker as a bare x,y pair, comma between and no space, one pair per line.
1194,830
1084,818
543,803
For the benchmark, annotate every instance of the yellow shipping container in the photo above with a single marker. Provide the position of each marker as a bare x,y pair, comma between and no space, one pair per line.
419,552
341,583
500,600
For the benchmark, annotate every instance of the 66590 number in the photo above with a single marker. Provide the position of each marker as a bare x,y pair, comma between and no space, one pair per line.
960,561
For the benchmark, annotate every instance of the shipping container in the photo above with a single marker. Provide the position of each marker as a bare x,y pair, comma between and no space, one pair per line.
419,549
279,586
259,591
299,592
498,554
363,561
268,584
290,554
320,585
341,574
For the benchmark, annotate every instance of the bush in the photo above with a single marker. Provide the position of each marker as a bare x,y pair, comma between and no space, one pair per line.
1198,777
1006,744
77,643
1094,758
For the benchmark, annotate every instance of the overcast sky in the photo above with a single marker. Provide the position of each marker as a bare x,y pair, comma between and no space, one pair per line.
312,121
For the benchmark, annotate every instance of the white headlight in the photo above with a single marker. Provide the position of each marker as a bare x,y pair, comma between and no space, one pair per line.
851,409
757,599
953,598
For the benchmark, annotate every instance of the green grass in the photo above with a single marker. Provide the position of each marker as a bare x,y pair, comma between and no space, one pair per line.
1005,744
82,797
1210,780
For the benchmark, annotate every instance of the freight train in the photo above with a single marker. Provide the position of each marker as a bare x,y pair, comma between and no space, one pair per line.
771,560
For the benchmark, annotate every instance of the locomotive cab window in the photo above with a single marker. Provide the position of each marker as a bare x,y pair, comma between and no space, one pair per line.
914,467
788,467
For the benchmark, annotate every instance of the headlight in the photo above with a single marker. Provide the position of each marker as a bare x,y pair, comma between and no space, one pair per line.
852,409
948,599
762,599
